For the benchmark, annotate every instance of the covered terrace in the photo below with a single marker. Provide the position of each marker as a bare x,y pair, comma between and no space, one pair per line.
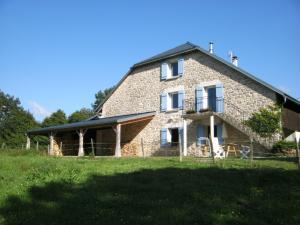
71,139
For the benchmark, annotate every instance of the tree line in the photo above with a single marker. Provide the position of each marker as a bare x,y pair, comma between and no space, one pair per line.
15,120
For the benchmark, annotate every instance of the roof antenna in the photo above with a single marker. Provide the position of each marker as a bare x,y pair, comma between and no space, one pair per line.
230,55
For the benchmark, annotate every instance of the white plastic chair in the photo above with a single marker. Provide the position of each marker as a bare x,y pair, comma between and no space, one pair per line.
219,152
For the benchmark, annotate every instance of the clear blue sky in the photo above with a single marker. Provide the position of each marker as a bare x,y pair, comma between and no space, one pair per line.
58,54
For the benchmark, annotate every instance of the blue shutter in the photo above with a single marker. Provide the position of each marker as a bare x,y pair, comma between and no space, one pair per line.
220,98
200,134
163,102
199,98
163,137
180,66
219,133
164,71
180,99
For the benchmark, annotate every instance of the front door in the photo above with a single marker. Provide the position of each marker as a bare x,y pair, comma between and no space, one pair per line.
211,92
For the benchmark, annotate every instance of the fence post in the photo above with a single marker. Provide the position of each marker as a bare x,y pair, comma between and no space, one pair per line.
251,150
60,147
37,145
92,144
180,147
142,146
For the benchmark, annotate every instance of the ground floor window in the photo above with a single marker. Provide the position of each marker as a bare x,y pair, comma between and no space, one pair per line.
174,136
170,136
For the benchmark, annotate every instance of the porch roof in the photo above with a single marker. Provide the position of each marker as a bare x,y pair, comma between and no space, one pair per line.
93,123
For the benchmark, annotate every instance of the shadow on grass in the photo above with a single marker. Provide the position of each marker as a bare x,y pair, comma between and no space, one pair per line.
282,159
164,196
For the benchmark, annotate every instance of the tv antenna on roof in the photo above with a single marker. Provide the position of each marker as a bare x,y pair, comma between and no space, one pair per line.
230,55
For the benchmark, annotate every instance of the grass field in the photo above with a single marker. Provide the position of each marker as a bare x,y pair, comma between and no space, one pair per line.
36,189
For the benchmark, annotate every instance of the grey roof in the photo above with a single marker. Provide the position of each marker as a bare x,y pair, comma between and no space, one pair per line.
174,51
188,47
94,123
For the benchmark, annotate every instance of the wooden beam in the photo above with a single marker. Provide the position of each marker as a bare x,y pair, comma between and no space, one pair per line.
27,142
81,134
184,138
137,120
212,134
118,141
51,139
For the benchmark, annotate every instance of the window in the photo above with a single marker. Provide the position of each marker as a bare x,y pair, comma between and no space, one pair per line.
174,69
174,136
174,100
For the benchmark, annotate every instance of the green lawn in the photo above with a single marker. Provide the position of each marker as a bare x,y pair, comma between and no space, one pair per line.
37,189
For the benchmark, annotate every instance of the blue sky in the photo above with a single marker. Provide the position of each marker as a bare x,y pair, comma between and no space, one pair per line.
58,54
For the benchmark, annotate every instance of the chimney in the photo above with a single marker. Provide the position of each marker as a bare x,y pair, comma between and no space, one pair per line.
235,61
211,48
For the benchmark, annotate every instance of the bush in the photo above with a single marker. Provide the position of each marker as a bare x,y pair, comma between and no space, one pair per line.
280,146
266,122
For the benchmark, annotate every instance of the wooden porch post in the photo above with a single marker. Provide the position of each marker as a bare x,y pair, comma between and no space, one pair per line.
81,134
184,138
212,134
27,142
118,140
51,137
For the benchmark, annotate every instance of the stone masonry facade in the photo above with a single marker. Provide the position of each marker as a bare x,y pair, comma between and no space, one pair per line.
140,92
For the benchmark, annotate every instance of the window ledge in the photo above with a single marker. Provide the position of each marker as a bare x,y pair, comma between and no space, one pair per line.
173,77
172,110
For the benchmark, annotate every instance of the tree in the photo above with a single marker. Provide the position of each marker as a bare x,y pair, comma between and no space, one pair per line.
80,115
266,122
56,118
14,121
100,96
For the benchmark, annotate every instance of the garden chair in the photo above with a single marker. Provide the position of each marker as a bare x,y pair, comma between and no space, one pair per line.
219,152
245,152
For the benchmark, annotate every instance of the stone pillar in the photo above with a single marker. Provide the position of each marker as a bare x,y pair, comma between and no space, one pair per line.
212,126
81,150
27,142
184,138
51,149
118,141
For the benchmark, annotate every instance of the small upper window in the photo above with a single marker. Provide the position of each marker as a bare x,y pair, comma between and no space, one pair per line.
174,69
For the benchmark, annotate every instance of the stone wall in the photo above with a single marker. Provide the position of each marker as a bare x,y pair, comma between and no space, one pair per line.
140,92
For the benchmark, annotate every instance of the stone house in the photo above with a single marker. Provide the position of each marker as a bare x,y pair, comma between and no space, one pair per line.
185,92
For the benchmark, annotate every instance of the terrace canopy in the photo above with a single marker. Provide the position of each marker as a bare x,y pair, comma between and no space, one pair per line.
96,122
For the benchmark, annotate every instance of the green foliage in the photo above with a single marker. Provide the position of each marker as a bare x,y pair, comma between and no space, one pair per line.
14,121
284,145
266,122
100,96
56,118
80,115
